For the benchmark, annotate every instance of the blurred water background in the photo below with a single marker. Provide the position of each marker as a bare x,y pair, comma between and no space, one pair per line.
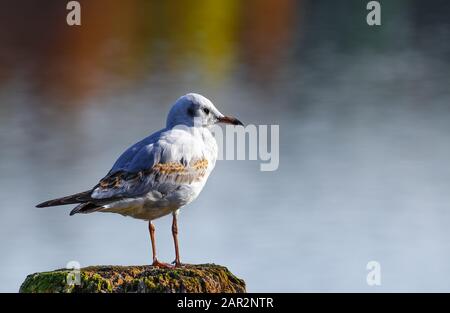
364,115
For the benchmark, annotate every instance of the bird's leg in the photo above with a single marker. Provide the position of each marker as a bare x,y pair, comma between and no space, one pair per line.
156,263
175,239
151,229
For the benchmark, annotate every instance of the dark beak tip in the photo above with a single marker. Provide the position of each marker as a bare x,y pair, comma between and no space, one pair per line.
238,122
230,120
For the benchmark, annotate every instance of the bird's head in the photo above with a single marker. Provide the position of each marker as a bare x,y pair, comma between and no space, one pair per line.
195,110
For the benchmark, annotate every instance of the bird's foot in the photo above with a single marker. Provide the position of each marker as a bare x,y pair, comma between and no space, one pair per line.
156,263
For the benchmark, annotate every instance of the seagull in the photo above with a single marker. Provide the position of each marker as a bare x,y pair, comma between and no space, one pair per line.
161,173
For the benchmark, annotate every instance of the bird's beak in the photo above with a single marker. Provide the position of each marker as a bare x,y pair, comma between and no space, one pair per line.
229,120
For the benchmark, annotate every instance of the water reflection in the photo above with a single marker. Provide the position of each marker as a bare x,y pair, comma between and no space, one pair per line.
363,115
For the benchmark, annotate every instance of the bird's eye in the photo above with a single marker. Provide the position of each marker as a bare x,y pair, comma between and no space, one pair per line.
206,110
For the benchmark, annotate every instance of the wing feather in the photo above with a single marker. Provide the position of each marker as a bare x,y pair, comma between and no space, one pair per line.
162,166
162,177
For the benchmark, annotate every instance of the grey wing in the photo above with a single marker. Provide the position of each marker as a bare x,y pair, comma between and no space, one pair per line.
156,166
127,157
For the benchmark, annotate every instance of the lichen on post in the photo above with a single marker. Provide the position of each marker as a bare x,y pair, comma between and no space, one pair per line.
138,279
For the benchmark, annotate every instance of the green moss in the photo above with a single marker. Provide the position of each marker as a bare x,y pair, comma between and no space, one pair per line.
147,279
45,282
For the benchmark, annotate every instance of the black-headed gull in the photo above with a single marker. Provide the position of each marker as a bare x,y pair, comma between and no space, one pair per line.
161,173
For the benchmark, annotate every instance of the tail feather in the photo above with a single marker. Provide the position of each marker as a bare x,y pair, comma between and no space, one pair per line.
84,208
81,197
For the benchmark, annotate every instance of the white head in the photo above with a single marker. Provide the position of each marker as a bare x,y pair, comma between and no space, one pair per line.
193,109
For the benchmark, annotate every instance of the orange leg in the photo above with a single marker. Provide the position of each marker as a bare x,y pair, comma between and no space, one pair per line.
175,239
156,263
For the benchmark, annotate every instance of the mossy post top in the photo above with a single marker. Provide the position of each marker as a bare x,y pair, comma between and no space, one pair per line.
207,278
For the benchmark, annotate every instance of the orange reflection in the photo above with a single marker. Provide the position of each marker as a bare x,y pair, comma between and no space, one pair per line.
267,29
126,41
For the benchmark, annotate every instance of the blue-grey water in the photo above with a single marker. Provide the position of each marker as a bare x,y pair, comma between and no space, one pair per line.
364,115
